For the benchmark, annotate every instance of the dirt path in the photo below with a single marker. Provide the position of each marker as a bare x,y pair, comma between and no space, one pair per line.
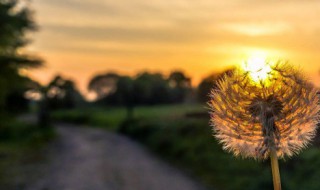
93,159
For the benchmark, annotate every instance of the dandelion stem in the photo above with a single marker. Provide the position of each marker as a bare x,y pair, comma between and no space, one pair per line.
275,170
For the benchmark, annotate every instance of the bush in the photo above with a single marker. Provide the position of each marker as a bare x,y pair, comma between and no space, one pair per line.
20,132
20,145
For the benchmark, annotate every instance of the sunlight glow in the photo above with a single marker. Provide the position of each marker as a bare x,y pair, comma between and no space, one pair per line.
258,68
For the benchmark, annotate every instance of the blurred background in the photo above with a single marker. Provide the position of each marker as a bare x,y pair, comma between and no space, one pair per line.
139,70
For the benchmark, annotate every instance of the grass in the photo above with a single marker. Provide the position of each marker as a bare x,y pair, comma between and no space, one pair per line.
112,118
20,144
179,136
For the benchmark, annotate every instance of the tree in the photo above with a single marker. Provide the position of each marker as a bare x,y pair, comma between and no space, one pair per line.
103,85
151,89
146,88
15,22
209,83
62,94
205,86
125,93
16,100
180,85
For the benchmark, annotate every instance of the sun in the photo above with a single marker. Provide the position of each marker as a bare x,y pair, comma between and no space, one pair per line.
258,67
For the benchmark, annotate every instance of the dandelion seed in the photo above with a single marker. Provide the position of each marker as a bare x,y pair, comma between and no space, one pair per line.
278,112
265,112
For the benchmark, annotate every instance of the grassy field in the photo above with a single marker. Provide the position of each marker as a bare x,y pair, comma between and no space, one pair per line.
113,117
20,147
181,135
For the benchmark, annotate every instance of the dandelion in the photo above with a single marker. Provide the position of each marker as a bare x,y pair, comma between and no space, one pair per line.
271,114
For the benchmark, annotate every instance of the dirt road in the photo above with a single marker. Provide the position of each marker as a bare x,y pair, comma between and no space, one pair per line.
93,159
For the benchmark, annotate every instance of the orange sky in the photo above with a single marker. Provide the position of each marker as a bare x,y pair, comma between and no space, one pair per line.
79,38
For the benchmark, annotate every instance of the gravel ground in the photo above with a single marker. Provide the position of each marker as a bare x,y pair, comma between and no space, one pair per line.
93,159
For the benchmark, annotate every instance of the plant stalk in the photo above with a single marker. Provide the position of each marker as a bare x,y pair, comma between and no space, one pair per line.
275,170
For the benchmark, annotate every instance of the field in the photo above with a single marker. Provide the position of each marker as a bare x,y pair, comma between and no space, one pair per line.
111,118
21,145
181,135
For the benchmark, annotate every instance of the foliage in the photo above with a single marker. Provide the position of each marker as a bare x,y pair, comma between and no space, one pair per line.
209,83
62,94
143,89
205,87
15,22
20,144
103,85
16,101
180,85
112,117
13,131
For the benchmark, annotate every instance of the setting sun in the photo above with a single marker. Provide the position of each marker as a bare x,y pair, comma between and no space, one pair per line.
258,68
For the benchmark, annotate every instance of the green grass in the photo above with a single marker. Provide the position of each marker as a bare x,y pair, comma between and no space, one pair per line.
20,144
111,118
187,142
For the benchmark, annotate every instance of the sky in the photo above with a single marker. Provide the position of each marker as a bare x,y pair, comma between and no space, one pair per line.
81,38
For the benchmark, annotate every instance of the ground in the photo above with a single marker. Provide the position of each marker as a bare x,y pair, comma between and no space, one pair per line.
85,158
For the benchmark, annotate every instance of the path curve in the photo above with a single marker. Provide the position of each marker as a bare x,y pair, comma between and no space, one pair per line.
93,159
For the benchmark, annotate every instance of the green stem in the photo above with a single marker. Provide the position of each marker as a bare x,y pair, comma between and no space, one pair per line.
275,170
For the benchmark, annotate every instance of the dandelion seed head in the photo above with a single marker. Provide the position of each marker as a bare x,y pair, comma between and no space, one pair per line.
251,118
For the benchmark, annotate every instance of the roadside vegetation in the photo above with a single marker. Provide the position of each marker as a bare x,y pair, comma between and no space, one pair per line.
21,148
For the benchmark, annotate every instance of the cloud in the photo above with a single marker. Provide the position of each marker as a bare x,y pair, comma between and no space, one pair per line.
176,31
257,28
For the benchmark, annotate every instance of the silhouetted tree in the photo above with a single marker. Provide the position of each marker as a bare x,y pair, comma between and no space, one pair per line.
103,85
125,93
16,100
15,22
62,94
144,89
209,83
151,89
180,85
205,86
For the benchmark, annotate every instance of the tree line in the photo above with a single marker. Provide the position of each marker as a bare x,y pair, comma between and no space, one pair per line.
110,89
150,88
